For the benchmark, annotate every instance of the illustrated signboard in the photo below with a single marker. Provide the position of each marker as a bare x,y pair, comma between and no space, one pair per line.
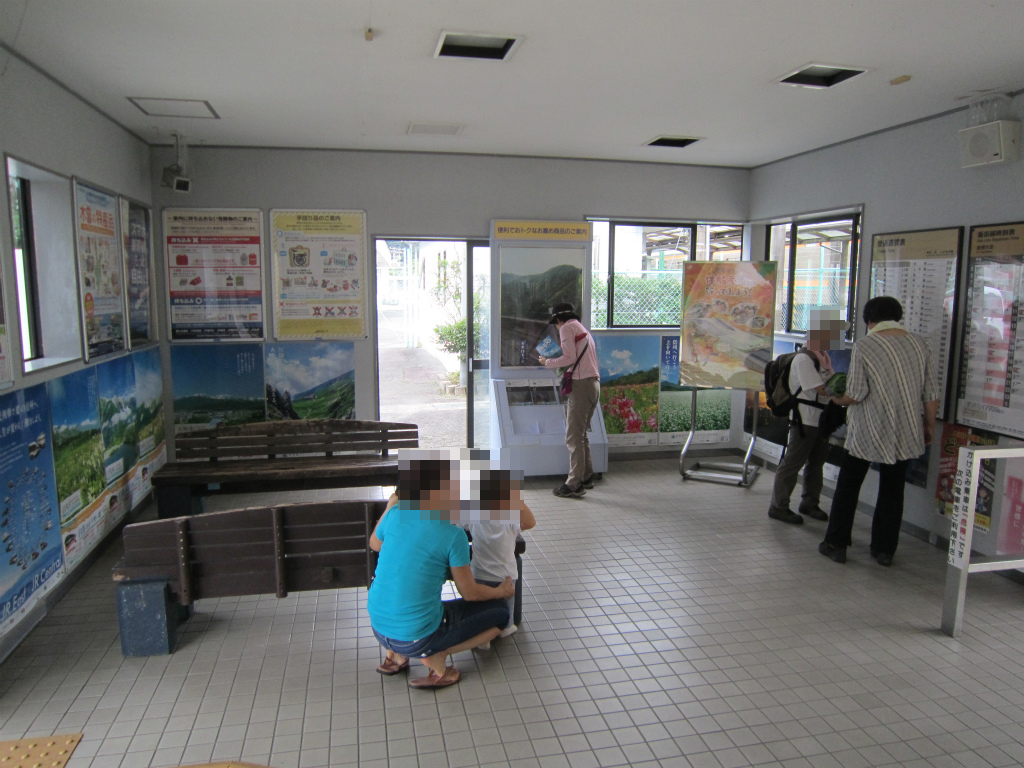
714,406
136,239
217,384
991,383
320,274
214,273
77,440
630,376
310,380
116,379
954,437
30,550
727,323
920,269
100,271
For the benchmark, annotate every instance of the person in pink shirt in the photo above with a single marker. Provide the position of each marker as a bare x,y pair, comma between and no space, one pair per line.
579,354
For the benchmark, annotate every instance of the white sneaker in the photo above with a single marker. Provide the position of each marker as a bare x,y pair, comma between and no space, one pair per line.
484,646
508,631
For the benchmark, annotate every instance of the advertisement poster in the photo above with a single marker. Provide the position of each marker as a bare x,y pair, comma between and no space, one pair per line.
85,530
217,384
320,274
77,441
100,271
533,280
136,239
116,380
727,324
920,269
149,406
991,383
630,377
714,406
141,481
954,437
1011,527
30,551
310,380
214,273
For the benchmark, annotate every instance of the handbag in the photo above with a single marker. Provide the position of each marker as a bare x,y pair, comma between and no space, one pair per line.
566,387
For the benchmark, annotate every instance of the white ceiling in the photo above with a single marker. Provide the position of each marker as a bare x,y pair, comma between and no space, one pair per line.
590,79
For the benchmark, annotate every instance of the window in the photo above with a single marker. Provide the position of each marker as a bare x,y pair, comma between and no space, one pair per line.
817,267
44,266
637,278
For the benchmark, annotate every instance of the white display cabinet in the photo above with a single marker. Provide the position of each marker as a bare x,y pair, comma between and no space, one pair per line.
528,428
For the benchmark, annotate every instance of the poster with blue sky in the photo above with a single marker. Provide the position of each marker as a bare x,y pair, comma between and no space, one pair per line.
117,416
310,380
217,384
77,442
30,550
149,406
675,403
630,374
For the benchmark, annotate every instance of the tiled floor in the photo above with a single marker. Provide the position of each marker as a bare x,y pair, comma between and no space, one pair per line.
666,623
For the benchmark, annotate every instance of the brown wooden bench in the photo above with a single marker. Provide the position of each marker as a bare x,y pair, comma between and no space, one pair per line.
301,454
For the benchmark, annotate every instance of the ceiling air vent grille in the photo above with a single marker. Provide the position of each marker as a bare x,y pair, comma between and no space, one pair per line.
434,129
467,46
672,141
821,76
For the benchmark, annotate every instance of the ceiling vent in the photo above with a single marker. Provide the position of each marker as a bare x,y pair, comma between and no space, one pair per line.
434,129
198,108
672,141
467,46
821,76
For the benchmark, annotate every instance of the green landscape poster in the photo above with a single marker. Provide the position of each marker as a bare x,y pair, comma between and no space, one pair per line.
117,416
77,441
217,384
310,380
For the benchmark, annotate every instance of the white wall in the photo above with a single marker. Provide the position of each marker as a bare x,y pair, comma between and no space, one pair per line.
907,178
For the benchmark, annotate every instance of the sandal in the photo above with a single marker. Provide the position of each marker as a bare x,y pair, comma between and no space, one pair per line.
391,667
450,677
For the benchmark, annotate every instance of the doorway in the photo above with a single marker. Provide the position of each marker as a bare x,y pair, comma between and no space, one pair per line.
433,365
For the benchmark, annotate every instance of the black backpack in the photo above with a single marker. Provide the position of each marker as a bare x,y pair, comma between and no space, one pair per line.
781,401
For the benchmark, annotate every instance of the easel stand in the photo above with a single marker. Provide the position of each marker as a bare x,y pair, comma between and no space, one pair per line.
728,472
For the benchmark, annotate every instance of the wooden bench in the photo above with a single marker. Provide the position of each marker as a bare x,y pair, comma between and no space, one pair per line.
169,564
279,456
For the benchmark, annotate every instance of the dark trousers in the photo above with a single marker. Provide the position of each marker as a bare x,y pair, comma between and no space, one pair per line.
885,526
807,452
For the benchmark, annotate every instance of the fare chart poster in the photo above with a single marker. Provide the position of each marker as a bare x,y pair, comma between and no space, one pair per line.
920,269
100,271
320,274
727,324
991,383
136,239
214,273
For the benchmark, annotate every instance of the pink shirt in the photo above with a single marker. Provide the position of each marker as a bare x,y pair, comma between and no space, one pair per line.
587,369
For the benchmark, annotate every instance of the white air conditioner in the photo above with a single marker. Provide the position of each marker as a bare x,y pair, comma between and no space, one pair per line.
996,142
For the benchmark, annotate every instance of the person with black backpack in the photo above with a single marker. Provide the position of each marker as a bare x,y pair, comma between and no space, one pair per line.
799,392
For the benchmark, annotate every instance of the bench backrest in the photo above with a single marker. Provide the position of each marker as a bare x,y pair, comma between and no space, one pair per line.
255,551
272,439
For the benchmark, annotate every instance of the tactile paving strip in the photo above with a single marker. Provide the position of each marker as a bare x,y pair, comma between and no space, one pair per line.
40,752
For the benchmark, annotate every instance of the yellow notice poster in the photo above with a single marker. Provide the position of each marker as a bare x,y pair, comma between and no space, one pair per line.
727,324
543,230
320,274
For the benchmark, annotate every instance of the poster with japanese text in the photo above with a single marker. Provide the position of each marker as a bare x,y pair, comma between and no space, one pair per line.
77,440
320,274
30,550
86,529
727,323
991,383
214,273
217,384
100,271
920,269
149,406
675,402
629,370
310,380
136,239
116,380
954,437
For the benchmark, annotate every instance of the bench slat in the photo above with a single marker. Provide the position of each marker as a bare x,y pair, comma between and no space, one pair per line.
237,585
299,437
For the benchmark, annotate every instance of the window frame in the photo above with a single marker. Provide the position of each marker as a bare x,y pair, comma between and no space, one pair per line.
29,300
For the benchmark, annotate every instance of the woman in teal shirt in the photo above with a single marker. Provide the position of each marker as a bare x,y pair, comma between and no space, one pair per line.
418,546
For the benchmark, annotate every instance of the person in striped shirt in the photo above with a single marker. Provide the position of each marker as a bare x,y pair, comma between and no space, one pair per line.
893,398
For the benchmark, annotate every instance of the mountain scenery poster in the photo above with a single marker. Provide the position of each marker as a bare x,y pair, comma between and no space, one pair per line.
77,441
629,370
149,391
310,380
117,416
217,384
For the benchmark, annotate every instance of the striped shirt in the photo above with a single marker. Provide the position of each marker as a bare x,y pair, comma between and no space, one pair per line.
587,369
891,374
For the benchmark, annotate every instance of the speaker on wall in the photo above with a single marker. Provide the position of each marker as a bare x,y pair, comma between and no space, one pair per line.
995,142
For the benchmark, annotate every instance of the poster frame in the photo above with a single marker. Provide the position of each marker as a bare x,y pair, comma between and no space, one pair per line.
270,259
87,355
167,283
154,325
954,323
960,418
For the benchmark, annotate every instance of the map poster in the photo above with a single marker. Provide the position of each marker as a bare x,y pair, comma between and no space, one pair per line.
30,551
991,383
100,271
727,323
920,269
629,370
136,239
954,437
320,274
214,273
714,406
